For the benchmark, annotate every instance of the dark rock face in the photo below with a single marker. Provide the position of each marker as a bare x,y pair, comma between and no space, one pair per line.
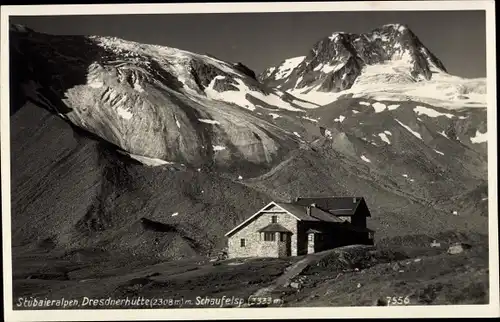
344,79
203,74
245,70
335,62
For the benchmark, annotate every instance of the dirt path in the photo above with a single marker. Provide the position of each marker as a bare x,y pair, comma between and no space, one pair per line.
290,273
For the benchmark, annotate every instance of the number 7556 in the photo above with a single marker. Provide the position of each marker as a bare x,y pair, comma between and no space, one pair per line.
398,300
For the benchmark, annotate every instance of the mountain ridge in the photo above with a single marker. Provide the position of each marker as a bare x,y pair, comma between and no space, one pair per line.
119,81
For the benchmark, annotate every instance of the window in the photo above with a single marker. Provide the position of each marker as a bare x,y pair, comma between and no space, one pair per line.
242,242
274,219
269,236
311,237
282,237
370,235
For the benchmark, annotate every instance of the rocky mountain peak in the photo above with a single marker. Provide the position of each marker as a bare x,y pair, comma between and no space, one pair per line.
337,60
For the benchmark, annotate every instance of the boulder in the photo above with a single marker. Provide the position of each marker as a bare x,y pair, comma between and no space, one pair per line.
294,285
457,248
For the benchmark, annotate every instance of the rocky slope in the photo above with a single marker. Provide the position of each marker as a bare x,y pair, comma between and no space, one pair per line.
90,114
390,61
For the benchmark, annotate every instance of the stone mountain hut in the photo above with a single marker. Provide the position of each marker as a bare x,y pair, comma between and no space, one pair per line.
305,226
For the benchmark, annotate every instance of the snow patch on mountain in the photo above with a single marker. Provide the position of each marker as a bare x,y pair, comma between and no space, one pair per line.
310,119
442,90
422,110
384,138
416,134
329,68
438,152
443,134
218,147
365,159
152,162
138,87
339,119
480,137
208,121
379,107
271,99
335,36
124,113
95,83
239,97
314,95
286,68
235,97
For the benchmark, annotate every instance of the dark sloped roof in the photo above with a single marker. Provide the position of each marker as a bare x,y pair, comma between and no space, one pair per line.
324,216
274,227
297,210
317,214
341,206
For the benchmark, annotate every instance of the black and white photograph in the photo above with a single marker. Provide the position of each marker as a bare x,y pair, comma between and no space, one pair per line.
249,159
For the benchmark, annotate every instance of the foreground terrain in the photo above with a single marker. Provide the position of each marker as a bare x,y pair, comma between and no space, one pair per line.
348,276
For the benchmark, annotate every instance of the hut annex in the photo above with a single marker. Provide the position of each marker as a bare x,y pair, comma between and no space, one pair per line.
305,226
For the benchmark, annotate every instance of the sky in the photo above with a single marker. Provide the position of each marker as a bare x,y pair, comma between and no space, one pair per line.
261,40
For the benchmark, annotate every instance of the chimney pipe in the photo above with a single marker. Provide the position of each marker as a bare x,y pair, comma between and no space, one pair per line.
354,200
308,209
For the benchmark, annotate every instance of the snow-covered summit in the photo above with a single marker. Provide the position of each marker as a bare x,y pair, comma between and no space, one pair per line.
389,61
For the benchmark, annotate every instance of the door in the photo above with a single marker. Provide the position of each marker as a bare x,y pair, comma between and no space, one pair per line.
288,244
285,244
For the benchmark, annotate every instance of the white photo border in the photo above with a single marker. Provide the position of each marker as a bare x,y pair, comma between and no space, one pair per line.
487,310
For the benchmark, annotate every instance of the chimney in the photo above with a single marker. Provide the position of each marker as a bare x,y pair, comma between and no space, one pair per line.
309,208
354,200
